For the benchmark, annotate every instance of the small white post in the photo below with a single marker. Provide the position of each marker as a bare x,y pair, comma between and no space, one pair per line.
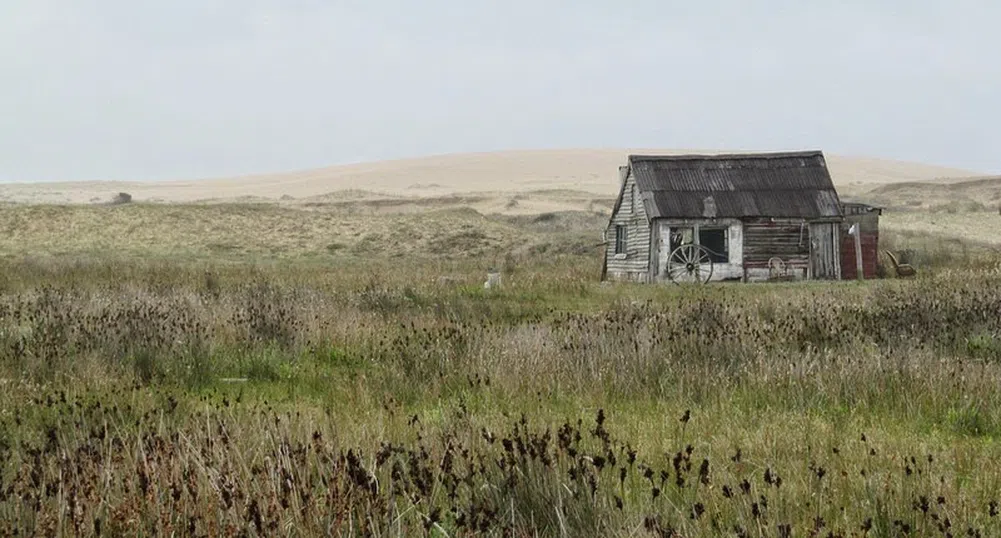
493,279
854,231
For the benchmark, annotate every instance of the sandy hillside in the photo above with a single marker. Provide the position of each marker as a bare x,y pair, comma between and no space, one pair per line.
492,180
969,194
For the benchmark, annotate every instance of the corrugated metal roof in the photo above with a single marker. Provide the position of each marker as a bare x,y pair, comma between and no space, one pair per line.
795,184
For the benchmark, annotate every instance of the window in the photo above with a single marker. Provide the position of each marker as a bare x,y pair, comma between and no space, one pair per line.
715,240
681,236
620,239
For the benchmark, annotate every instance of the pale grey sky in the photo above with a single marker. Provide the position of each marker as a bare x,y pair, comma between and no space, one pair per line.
135,89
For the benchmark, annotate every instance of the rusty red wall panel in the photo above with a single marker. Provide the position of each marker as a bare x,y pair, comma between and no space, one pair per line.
870,253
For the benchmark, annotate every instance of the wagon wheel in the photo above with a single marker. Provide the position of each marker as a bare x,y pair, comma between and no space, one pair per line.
690,264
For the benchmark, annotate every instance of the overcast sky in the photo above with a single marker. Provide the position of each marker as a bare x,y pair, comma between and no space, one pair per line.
135,89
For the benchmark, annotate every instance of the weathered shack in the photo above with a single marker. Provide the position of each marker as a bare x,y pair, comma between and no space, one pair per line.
754,216
867,219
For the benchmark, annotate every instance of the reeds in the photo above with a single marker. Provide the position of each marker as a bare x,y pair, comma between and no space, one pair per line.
234,468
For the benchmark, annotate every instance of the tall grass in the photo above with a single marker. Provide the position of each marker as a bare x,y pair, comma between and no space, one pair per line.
370,401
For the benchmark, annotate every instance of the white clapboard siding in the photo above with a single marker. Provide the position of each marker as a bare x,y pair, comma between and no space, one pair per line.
636,262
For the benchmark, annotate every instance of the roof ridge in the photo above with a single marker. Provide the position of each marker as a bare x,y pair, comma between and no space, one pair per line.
725,156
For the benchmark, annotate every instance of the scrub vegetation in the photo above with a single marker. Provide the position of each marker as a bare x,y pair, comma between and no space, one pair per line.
383,395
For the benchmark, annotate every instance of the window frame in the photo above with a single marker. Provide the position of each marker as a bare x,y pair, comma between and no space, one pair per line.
621,238
696,239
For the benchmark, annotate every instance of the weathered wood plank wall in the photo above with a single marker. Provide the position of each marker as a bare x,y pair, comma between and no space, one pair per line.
635,262
788,239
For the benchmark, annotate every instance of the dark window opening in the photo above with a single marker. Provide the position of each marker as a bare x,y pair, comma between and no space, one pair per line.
620,239
715,240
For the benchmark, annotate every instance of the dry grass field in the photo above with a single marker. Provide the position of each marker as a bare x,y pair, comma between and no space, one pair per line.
949,196
268,231
331,365
439,228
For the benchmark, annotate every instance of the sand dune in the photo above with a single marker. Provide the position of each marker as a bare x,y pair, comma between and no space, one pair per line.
499,174
944,186
970,194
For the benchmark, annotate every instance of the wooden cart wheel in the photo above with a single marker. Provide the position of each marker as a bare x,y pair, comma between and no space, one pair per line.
690,264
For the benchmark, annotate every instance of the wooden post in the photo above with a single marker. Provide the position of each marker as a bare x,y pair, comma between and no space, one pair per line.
493,279
854,230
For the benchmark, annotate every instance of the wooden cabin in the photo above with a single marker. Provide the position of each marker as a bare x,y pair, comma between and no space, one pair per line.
761,216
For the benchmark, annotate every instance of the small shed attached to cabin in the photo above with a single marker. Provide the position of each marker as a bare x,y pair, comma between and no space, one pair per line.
759,216
867,219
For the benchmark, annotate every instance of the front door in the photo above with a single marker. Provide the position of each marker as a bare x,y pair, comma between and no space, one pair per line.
824,262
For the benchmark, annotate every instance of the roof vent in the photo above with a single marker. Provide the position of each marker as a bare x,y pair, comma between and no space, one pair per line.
709,207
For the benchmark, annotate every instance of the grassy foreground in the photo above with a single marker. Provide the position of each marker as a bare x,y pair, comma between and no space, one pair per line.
207,399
